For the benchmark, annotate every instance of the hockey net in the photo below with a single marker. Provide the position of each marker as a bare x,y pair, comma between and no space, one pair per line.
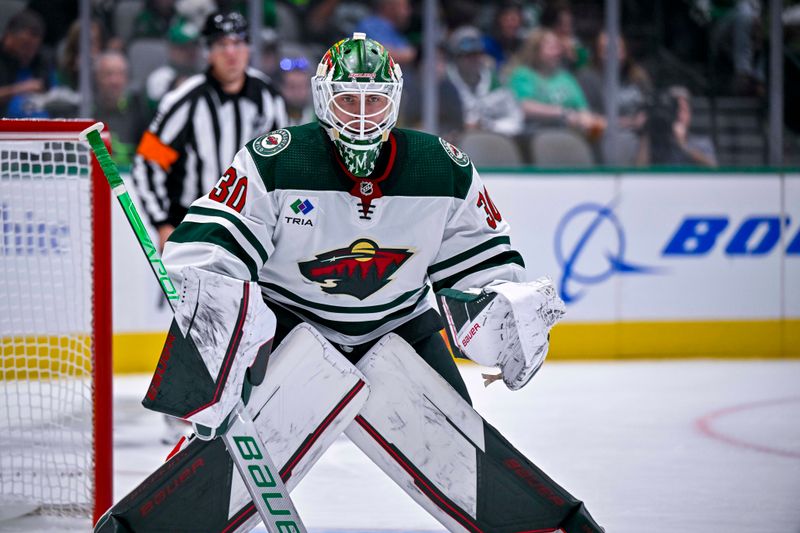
55,322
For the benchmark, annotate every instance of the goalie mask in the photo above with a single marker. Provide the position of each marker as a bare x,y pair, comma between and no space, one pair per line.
356,94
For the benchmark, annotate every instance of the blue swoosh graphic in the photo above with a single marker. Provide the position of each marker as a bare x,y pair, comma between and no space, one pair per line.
616,262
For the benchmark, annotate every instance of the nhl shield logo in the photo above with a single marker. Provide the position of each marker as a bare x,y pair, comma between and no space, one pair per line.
272,143
366,188
460,158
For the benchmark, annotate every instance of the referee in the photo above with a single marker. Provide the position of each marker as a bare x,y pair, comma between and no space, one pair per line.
201,125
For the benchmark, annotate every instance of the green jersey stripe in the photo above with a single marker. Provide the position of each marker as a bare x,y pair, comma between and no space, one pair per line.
243,229
352,329
447,263
504,258
344,309
212,233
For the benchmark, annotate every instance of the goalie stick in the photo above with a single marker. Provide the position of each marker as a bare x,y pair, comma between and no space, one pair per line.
241,439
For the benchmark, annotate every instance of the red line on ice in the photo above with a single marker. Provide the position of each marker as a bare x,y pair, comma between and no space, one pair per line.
704,425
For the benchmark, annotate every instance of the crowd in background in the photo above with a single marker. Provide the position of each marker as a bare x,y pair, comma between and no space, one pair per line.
512,68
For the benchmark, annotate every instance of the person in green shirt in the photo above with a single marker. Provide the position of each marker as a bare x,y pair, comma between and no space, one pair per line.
548,93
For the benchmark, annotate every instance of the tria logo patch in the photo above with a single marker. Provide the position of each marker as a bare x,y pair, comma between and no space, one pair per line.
272,143
300,211
297,221
359,270
304,206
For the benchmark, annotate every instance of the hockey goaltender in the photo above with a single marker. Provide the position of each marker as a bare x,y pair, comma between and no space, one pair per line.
323,241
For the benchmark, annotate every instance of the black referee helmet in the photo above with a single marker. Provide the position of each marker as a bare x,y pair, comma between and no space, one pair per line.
220,25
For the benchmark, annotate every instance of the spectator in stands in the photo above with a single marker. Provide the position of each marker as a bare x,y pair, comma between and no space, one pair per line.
737,49
634,90
112,104
24,72
184,61
386,26
485,103
63,100
457,13
328,20
60,14
669,141
295,86
557,16
270,57
505,37
548,93
450,115
154,20
69,60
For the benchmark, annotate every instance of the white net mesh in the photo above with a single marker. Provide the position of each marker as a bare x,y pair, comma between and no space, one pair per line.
46,415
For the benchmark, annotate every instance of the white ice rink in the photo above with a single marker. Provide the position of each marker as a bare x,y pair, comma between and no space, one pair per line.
650,447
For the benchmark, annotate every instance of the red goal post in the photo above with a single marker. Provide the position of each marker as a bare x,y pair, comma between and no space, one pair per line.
55,218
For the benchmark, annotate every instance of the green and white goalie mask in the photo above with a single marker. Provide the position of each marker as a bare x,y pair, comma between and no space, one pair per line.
357,98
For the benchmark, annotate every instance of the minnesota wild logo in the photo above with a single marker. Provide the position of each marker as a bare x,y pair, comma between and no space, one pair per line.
272,143
359,270
461,159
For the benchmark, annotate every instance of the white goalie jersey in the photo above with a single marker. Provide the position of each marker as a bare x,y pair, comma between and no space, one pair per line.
355,257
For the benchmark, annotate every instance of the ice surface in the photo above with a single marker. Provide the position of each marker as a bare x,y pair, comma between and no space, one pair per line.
656,447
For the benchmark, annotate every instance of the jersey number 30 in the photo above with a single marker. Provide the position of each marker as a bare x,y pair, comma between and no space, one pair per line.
492,214
230,190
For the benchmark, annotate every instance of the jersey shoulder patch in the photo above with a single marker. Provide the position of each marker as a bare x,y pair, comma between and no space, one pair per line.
272,143
296,158
459,158
433,166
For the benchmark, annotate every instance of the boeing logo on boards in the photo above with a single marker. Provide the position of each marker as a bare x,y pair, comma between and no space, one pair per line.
583,235
30,236
756,235
579,256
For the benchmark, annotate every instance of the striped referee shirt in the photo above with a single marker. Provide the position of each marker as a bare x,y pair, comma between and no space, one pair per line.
194,136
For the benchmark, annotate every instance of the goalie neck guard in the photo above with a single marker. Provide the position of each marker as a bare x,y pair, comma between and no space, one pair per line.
356,93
